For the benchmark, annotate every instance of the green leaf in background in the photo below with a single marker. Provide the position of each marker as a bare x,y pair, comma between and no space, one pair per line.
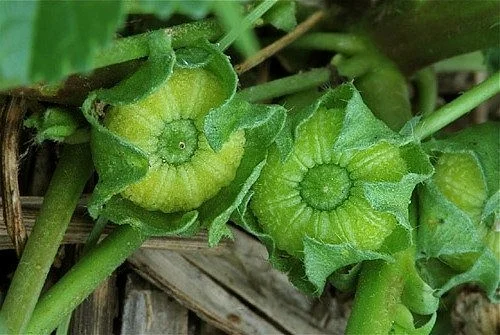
47,40
282,15
457,236
195,9
492,59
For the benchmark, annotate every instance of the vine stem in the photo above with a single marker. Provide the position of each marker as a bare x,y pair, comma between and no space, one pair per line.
83,278
345,43
427,90
66,186
287,85
458,107
137,46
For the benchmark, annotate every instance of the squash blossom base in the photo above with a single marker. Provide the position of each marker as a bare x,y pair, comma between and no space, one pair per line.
319,193
168,126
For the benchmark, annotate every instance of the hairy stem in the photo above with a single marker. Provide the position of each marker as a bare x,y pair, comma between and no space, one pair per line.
60,201
458,107
286,85
83,278
345,43
378,293
137,46
427,90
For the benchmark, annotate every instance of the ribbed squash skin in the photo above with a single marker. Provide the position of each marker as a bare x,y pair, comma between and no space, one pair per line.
318,193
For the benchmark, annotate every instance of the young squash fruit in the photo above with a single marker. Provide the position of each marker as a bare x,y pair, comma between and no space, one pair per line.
318,192
174,148
459,211
168,126
335,190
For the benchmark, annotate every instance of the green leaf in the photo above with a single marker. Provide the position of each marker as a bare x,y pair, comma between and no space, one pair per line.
47,40
492,59
58,125
282,15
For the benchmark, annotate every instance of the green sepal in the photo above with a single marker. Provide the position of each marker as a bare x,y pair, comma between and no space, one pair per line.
192,57
447,235
345,279
117,162
321,259
152,74
151,223
221,122
404,323
58,125
485,273
261,124
482,142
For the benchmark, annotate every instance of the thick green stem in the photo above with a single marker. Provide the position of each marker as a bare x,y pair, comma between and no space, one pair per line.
287,85
60,201
378,293
427,90
137,46
345,43
83,278
458,107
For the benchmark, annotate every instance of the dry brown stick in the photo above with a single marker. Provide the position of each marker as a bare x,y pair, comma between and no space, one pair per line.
81,225
276,46
11,121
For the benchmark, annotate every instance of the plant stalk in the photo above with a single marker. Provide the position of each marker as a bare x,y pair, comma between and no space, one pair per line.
287,85
137,46
458,107
345,43
66,186
377,295
83,278
427,90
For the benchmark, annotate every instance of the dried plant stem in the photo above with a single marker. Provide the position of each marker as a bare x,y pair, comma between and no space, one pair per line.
10,124
276,46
